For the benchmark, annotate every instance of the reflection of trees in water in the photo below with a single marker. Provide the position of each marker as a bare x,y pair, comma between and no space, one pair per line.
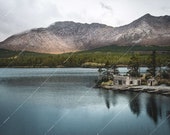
168,117
153,103
100,92
106,96
134,103
114,98
160,111
109,97
152,108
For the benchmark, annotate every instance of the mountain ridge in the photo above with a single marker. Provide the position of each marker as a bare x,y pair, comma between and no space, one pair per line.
68,36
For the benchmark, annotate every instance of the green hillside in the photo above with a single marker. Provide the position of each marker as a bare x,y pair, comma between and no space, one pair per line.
115,48
119,55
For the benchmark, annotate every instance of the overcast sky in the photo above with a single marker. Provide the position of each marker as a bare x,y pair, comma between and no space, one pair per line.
20,15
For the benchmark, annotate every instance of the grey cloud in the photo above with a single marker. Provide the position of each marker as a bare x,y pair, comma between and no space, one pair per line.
23,15
103,5
165,8
20,15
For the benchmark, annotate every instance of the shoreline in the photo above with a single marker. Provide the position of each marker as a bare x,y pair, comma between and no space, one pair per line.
61,66
163,90
43,67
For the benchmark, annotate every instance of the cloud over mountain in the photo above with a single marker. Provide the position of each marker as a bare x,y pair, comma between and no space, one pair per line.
68,36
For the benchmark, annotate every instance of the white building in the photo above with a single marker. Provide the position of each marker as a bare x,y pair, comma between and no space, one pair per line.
126,80
152,82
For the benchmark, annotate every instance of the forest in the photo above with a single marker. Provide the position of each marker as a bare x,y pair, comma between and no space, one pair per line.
100,57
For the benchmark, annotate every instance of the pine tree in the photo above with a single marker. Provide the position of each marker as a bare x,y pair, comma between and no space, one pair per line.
107,64
115,71
133,66
166,72
152,64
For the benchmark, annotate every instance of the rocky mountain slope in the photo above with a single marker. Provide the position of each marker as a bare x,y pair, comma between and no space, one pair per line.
62,37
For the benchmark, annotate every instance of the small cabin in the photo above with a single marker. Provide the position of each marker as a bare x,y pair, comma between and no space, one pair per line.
152,82
126,80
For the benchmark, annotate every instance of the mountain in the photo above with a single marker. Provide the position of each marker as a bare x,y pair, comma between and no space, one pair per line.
62,37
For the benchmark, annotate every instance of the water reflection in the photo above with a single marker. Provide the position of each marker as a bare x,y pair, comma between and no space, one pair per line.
107,98
153,106
168,117
110,97
152,109
114,99
36,81
61,93
134,103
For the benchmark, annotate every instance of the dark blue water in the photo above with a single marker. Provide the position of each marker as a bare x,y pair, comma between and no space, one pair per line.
67,104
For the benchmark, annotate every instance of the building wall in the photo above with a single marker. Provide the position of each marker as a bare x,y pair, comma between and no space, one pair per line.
126,81
152,82
120,80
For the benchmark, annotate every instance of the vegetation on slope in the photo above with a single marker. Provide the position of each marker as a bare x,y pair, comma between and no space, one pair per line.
110,55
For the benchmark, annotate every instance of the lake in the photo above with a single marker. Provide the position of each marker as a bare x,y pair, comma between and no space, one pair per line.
62,101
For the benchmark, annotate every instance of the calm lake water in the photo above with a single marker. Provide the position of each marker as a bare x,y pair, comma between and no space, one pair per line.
64,102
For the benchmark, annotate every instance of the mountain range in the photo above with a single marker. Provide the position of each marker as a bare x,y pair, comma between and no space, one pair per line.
68,36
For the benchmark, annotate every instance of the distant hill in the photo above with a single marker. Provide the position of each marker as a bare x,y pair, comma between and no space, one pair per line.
63,37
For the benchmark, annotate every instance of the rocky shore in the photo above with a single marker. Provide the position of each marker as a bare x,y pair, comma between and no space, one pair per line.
164,90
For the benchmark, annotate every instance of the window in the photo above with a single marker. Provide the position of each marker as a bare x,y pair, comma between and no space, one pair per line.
120,82
131,82
138,82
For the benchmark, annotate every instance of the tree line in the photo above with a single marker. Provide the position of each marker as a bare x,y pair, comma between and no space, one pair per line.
95,59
